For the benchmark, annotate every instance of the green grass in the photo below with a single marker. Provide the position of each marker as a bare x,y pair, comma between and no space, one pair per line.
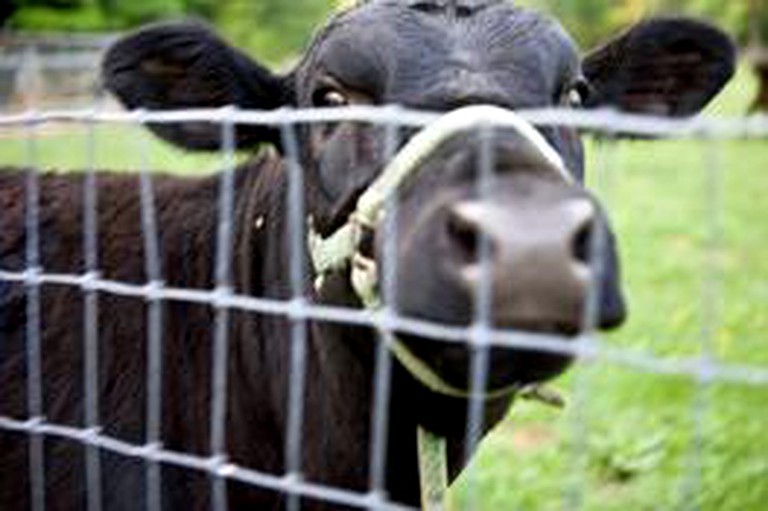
64,147
624,442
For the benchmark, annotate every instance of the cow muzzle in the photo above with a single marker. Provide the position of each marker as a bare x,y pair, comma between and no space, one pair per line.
537,263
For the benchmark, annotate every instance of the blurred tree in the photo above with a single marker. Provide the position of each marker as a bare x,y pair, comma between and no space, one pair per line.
7,7
58,15
203,8
591,21
274,29
137,12
55,4
271,29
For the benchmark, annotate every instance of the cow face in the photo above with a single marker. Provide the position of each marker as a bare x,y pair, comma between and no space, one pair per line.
438,55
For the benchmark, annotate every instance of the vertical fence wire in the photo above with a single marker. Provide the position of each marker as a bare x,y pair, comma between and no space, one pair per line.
91,320
482,319
154,319
382,386
298,322
383,358
33,320
223,278
709,320
597,242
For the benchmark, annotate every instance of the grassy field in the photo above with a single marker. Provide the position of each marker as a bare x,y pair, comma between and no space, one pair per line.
696,274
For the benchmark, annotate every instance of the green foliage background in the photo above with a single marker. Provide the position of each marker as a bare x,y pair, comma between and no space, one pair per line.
278,29
272,29
591,20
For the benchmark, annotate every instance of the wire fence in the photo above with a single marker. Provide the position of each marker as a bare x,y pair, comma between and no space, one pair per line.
50,69
301,312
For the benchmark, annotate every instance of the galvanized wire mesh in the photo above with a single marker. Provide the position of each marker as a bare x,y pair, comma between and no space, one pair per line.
705,369
37,69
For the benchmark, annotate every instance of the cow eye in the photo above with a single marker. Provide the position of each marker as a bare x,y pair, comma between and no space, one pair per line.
330,98
576,94
574,99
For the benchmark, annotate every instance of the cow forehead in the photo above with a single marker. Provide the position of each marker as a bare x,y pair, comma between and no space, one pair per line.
455,7
396,50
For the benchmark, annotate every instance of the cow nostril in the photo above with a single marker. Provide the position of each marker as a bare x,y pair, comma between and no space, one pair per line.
581,243
463,237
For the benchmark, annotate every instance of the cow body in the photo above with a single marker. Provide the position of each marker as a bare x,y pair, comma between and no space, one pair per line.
381,52
340,360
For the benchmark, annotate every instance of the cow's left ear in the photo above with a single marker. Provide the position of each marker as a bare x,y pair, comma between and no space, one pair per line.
185,65
670,67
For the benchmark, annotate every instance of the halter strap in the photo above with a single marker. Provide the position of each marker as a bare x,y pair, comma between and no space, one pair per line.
342,249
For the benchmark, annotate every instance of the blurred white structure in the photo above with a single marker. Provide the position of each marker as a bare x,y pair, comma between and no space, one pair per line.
48,69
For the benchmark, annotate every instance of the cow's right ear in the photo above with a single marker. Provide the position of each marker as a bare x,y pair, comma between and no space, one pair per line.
185,65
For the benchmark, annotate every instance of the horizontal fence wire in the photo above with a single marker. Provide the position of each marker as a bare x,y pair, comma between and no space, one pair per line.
583,348
602,120
215,466
480,336
67,62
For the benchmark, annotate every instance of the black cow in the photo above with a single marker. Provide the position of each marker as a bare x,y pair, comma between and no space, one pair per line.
432,55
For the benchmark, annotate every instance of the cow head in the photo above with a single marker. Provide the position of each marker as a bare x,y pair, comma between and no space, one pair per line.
439,55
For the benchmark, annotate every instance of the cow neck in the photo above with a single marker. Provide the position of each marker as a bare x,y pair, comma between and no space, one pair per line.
253,217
